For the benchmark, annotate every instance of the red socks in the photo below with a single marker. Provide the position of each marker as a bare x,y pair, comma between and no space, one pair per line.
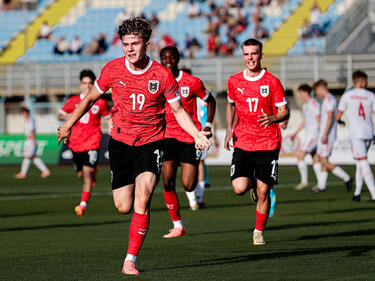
261,221
173,206
137,232
85,196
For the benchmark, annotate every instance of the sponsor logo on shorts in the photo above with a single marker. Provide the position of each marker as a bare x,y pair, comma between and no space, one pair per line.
232,170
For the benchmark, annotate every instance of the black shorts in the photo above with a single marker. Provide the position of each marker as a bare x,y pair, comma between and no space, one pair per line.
127,162
261,164
181,152
86,158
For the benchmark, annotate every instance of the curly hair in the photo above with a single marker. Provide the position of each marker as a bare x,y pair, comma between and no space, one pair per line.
136,26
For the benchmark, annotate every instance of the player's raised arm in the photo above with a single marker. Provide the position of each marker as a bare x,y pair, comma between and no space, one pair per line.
186,123
64,130
229,119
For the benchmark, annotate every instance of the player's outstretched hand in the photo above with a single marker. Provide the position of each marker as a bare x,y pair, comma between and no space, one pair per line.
202,141
228,137
63,133
265,119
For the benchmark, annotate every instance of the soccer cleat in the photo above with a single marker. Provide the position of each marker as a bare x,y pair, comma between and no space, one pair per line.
316,189
356,198
194,207
258,238
254,195
45,174
349,184
20,176
129,268
300,186
202,205
175,232
80,210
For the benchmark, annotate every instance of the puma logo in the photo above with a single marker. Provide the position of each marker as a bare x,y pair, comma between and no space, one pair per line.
241,90
123,83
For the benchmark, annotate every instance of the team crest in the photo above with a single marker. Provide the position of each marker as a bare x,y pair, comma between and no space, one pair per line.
264,90
185,91
95,109
153,86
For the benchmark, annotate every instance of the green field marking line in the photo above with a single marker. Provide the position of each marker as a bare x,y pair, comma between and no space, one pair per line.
7,195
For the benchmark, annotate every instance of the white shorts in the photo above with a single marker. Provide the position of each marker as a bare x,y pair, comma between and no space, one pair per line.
29,148
360,148
310,144
325,149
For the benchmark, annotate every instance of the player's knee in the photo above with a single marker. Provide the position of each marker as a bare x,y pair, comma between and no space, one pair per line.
239,189
189,185
169,185
262,192
122,208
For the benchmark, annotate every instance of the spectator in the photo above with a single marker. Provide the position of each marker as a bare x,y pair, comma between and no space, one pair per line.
61,46
121,17
193,10
93,47
7,5
116,40
154,20
192,46
76,46
165,41
30,4
211,26
304,32
315,20
260,32
213,43
45,31
102,44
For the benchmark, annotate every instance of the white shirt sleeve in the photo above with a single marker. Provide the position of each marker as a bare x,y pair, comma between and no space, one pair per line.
343,103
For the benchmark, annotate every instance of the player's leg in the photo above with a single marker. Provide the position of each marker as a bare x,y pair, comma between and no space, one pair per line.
28,152
201,184
190,157
360,147
88,174
242,172
358,182
317,166
169,170
262,212
41,166
24,168
302,168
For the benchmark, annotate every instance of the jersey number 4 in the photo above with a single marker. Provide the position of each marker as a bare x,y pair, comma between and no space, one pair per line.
137,100
253,104
361,111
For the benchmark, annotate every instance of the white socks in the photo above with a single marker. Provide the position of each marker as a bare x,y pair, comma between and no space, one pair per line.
39,164
130,257
191,196
358,179
322,184
367,175
317,169
177,224
302,167
25,165
200,191
340,173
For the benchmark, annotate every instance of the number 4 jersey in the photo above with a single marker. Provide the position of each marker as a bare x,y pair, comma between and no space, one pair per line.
86,133
359,105
251,96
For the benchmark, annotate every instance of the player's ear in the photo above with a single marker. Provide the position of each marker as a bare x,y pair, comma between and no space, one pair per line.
261,55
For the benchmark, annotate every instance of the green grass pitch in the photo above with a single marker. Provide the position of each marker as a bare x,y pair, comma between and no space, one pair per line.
312,236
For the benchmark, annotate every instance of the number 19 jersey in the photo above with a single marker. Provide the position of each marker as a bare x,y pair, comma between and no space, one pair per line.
250,96
359,105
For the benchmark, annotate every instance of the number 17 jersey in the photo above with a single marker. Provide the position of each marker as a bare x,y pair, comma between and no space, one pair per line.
359,105
250,96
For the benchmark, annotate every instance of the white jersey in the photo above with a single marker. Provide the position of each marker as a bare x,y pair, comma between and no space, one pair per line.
29,127
329,105
311,110
359,105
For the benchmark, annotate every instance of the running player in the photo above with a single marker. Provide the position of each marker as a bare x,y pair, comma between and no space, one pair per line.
359,104
327,137
311,119
140,89
257,98
86,136
29,148
180,148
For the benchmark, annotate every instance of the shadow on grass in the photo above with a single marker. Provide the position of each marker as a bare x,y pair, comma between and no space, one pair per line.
23,228
315,199
23,215
339,234
350,210
353,251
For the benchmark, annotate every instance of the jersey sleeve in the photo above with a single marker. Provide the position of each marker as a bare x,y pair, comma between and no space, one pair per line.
330,107
67,108
316,110
278,95
230,94
200,90
102,84
343,103
171,89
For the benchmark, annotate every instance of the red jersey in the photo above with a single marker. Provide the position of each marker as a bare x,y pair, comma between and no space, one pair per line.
139,98
250,95
86,133
190,88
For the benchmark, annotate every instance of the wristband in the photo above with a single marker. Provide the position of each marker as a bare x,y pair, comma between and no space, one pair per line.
208,124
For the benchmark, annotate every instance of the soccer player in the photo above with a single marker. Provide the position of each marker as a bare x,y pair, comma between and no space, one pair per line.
359,104
311,119
86,136
140,89
29,148
257,98
327,137
179,145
